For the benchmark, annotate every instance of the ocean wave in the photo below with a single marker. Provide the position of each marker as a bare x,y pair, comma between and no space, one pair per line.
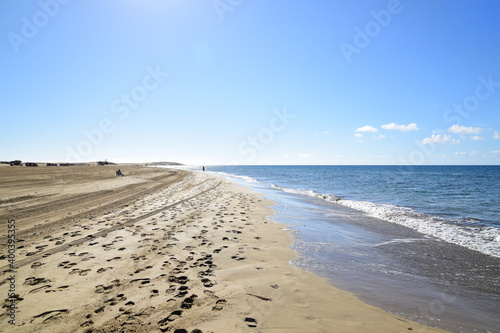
482,239
478,238
245,178
310,193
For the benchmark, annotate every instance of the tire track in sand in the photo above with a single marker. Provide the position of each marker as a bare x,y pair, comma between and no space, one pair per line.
82,240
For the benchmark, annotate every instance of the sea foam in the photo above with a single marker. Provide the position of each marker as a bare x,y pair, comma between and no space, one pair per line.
483,239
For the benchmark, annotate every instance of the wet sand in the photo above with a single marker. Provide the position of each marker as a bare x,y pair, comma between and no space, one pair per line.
160,251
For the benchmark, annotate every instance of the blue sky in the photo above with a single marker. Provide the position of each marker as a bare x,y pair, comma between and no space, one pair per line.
251,82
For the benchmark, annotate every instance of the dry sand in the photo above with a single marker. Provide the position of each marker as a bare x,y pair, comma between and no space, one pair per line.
160,251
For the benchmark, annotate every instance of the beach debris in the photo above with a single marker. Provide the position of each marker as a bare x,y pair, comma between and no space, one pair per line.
260,297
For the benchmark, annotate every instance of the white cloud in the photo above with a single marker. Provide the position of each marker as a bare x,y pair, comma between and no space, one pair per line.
402,128
477,138
440,140
496,151
304,155
464,130
358,135
326,132
497,135
465,154
367,128
378,137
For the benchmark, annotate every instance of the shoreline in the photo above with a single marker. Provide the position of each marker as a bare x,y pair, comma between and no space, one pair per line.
195,253
387,265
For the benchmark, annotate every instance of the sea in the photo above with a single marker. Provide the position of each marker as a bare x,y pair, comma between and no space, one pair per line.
422,242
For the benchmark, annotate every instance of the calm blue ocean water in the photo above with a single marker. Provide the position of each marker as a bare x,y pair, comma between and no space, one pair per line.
458,204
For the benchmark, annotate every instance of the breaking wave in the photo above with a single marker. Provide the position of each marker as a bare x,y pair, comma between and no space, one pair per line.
460,232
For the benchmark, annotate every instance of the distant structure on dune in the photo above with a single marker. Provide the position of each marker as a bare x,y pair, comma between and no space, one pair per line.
105,163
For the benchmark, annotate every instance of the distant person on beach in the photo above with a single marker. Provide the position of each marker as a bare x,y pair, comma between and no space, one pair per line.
203,168
120,173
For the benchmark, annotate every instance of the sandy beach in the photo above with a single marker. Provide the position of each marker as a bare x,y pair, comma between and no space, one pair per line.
159,250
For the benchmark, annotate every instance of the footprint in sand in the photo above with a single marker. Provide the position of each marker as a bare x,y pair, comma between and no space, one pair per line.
87,323
61,288
34,281
207,283
126,308
208,272
144,282
170,290
188,302
99,289
154,293
219,305
183,290
251,322
37,264
115,300
67,264
178,279
103,269
173,316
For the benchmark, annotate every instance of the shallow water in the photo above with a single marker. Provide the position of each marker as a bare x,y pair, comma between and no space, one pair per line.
458,204
408,273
